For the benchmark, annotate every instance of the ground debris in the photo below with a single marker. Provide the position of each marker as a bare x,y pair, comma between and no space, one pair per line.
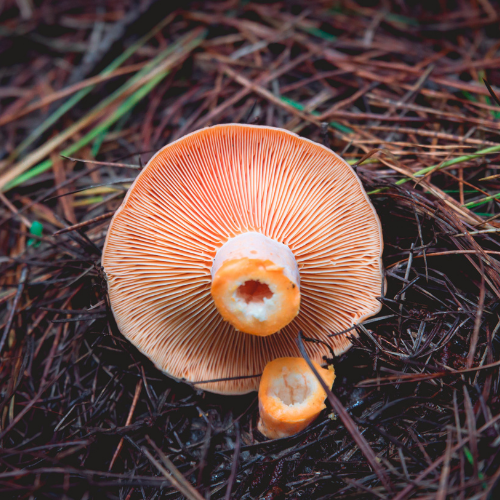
408,95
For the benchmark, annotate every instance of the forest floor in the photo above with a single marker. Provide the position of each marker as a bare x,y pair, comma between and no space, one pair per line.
407,92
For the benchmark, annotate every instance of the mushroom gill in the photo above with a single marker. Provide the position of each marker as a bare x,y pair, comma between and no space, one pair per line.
209,188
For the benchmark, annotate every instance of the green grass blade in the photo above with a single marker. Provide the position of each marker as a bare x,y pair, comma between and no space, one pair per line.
454,161
72,101
125,107
177,50
487,199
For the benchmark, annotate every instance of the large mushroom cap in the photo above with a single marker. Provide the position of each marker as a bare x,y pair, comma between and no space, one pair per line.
208,187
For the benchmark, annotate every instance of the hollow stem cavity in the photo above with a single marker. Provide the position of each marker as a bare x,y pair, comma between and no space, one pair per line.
256,284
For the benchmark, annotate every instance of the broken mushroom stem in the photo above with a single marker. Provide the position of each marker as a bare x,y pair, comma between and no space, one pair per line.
290,396
256,284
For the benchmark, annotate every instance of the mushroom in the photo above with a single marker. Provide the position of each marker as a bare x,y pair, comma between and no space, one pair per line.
290,396
231,240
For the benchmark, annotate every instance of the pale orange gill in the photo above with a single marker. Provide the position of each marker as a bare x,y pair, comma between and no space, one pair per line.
311,260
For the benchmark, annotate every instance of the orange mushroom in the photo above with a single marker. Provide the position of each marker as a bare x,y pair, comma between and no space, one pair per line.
230,241
290,396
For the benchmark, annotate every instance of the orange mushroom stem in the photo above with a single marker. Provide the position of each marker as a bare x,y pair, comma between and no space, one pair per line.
290,396
255,284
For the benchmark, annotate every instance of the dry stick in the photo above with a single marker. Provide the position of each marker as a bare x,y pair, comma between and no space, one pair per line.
234,467
39,154
448,252
148,480
262,80
462,182
489,178
128,421
440,166
445,473
107,215
339,105
458,431
436,149
50,192
179,482
178,486
360,486
48,365
409,94
493,483
94,186
94,80
430,134
66,201
443,115
65,304
491,91
409,488
266,94
105,163
14,210
471,430
129,496
491,276
419,377
42,388
20,288
306,81
487,353
459,68
348,422
465,213
477,322
440,94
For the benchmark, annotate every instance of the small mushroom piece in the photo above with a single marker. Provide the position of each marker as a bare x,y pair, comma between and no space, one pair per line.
290,396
